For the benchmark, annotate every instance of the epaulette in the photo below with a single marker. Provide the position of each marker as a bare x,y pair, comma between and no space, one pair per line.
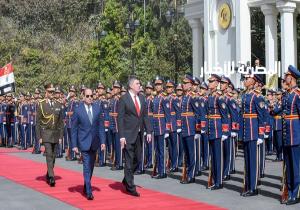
257,92
297,91
174,95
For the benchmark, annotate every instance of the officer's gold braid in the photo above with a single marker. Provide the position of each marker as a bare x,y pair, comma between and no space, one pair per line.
48,118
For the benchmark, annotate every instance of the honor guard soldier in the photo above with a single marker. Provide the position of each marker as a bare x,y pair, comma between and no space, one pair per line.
196,89
24,122
179,93
11,118
57,98
218,131
253,107
147,147
104,104
204,126
49,128
173,137
161,127
109,146
261,145
189,113
69,110
118,159
277,112
269,124
225,81
36,145
291,150
234,111
3,122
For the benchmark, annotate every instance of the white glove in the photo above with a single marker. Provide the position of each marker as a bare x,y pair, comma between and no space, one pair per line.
31,123
145,133
233,134
197,136
266,136
166,135
179,130
224,137
202,131
259,141
106,130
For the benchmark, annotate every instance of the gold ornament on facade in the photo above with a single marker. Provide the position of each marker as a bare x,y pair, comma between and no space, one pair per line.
224,16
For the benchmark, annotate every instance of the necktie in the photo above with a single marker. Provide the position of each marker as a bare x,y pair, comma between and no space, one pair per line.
137,108
90,114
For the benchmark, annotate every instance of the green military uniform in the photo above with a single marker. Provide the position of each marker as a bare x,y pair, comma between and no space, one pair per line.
49,128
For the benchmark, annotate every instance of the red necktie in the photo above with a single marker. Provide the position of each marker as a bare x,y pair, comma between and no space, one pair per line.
137,108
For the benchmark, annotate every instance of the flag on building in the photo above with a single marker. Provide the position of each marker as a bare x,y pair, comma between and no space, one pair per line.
7,79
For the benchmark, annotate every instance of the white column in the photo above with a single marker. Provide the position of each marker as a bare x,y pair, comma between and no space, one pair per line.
271,54
197,30
286,10
243,36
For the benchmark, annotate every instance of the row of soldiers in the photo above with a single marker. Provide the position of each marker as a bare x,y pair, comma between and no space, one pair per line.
195,126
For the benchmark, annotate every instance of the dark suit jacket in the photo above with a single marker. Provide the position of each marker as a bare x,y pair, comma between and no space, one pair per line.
129,122
87,136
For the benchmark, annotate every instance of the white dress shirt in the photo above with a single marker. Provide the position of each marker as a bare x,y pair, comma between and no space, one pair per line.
87,108
137,98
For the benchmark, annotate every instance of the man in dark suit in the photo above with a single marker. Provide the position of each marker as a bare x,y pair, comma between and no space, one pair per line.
132,121
49,128
88,133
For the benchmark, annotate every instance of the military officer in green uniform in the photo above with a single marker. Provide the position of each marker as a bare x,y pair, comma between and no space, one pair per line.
49,128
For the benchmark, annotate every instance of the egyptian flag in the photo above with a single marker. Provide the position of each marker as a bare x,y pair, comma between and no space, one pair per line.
7,79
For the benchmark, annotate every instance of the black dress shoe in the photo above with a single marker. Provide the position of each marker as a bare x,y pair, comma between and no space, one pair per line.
90,197
232,172
198,173
250,193
149,166
160,176
226,178
139,172
262,176
51,181
215,187
188,181
133,193
204,168
292,201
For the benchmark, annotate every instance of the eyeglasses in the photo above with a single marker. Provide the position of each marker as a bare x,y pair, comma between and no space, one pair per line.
50,92
88,96
211,81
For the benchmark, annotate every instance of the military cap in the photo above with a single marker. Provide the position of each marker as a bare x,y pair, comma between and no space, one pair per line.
108,90
179,87
225,80
37,91
27,94
158,80
9,95
72,89
270,91
49,87
188,78
293,71
204,86
196,80
100,86
170,83
123,89
149,85
82,88
57,90
116,84
141,89
258,79
214,77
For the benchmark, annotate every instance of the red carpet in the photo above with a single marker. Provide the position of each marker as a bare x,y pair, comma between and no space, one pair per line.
108,193
13,150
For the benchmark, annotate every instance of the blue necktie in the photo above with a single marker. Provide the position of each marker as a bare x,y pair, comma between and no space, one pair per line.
90,114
